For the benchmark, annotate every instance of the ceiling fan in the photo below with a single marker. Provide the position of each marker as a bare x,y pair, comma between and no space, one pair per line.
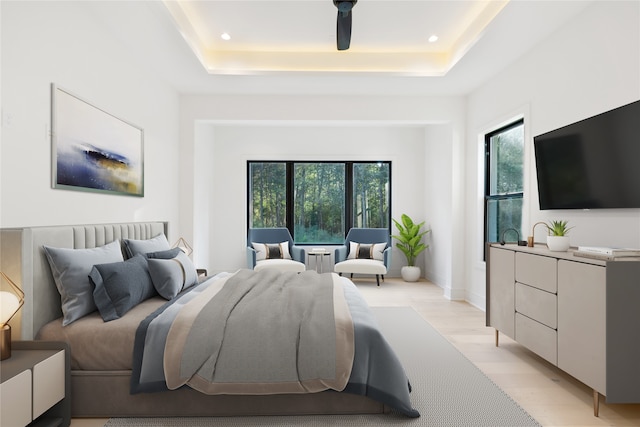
343,34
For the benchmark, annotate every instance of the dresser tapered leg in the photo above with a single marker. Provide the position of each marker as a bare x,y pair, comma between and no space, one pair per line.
596,403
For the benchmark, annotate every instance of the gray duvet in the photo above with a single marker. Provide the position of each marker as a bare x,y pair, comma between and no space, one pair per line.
267,332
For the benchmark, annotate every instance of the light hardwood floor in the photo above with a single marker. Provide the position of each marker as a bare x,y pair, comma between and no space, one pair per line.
552,397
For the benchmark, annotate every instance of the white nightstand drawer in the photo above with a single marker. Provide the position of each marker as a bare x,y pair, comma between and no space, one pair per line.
15,400
48,383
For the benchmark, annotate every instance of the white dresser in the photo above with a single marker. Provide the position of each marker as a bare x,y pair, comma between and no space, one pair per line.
579,314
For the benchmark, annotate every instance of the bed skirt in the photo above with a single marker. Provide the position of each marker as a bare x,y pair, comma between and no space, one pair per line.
106,394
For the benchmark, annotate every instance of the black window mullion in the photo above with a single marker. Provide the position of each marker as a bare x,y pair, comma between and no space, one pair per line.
348,200
289,196
249,194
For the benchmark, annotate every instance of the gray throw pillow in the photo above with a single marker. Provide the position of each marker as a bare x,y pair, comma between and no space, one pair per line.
171,253
120,286
172,276
142,247
71,268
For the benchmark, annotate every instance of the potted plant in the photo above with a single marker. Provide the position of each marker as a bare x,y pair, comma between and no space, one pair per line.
557,240
409,242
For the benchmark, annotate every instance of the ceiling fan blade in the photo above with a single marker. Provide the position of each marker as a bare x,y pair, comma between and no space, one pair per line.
343,36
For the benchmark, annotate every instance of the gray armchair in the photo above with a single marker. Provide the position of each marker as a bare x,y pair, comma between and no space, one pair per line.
365,251
265,249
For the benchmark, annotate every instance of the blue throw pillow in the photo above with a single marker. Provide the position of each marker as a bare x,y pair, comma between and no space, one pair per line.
120,286
168,254
171,276
71,268
135,247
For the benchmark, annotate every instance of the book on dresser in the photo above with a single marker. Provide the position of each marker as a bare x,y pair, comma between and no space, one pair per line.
606,253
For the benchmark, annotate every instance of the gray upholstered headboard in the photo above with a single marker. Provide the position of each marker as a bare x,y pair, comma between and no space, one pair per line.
23,259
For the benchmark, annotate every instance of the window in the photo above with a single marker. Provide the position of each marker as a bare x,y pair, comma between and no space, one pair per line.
504,154
319,201
268,202
370,201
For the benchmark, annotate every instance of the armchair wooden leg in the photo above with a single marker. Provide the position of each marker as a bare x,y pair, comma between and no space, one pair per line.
352,275
378,279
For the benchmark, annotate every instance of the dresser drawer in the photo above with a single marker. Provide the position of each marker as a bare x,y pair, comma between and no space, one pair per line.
538,271
537,304
537,337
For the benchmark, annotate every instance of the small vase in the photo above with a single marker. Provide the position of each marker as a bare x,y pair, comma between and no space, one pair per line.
558,243
410,273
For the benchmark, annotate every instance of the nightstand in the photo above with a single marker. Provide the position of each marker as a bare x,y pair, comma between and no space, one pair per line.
35,387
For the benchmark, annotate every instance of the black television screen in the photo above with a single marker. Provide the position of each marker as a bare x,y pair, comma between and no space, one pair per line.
593,163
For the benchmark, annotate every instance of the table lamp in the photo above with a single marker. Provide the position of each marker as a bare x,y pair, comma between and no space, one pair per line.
10,303
183,245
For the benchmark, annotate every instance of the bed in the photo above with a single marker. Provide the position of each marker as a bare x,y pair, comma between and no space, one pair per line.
101,378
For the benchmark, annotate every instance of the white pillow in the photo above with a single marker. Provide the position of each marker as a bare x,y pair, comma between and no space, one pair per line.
271,250
366,251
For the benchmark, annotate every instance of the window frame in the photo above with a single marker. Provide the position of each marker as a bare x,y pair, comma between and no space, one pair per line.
289,188
488,196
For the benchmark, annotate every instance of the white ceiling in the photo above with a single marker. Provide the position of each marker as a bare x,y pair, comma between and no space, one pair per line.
389,37
288,47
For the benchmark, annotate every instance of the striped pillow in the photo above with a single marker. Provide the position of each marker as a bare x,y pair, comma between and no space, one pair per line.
366,251
271,250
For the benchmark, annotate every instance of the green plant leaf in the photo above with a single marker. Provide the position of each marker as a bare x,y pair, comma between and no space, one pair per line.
409,238
558,227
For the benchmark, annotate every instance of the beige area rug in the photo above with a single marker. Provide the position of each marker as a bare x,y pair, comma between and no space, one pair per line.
448,390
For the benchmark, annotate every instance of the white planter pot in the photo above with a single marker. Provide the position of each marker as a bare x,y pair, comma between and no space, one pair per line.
410,274
558,243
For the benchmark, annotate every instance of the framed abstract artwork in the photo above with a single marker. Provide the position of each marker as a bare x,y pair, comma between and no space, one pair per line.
93,150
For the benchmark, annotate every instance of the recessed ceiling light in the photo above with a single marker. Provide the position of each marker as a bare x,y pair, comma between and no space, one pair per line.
225,36
433,39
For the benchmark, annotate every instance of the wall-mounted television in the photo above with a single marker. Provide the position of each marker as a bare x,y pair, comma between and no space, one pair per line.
591,164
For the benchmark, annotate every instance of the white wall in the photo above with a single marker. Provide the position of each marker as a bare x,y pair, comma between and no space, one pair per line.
221,133
438,176
589,66
233,146
66,43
